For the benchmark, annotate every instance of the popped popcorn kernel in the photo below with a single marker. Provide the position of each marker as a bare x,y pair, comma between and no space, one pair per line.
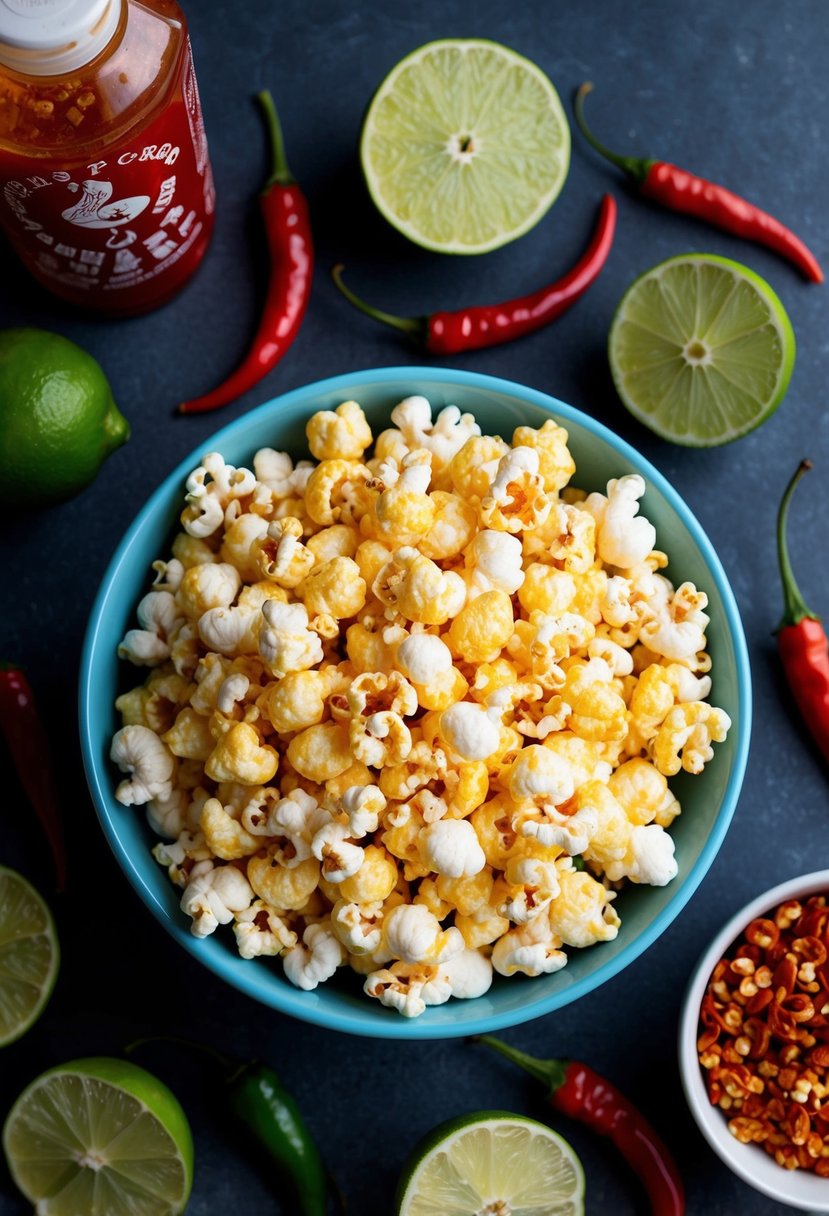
414,708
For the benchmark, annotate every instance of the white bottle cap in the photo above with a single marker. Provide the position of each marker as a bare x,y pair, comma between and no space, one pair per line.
53,37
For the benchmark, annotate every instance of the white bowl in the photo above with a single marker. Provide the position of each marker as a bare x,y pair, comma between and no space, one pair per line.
797,1188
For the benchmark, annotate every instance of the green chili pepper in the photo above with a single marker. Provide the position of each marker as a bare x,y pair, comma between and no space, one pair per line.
263,1107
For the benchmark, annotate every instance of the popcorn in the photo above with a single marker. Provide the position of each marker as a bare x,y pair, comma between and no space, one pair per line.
392,694
158,615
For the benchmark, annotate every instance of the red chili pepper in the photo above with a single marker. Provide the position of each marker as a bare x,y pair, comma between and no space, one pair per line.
29,752
445,333
681,191
579,1092
291,252
801,639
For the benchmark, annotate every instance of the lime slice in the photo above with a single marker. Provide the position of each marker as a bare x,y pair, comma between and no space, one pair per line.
492,1164
100,1137
465,145
29,955
701,350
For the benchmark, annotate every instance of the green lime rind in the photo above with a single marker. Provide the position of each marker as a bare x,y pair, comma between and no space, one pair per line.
486,1156
100,1136
701,350
435,99
58,420
29,955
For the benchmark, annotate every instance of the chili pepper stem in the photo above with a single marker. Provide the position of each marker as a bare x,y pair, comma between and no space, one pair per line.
550,1072
635,166
280,173
415,327
794,606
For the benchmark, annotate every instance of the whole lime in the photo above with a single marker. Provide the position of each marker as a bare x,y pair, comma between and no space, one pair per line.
58,421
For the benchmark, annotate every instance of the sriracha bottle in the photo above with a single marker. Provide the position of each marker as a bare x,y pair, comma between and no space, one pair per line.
106,192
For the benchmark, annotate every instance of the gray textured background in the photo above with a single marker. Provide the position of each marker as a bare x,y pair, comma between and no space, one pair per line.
742,99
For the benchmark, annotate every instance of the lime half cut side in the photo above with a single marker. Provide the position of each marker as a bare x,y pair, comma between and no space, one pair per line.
492,1163
100,1137
29,955
701,350
465,145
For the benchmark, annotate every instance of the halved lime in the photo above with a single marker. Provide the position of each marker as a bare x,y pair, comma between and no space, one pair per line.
492,1163
100,1137
29,955
701,349
465,145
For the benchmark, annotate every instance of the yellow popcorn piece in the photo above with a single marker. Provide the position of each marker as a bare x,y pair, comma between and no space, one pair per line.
320,752
471,469
643,791
453,526
598,711
336,491
334,587
374,881
546,589
339,540
418,589
224,835
298,699
339,434
240,756
555,463
684,739
482,629
280,556
280,887
190,736
582,913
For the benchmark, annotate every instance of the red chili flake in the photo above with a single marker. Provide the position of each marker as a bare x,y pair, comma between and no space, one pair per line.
764,1035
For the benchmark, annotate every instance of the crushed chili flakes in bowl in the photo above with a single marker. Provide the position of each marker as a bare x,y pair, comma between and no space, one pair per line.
763,1039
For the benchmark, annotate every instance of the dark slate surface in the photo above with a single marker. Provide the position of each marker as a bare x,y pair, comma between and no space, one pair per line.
742,99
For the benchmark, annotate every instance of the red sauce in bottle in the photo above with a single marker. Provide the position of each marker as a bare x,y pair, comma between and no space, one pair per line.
106,191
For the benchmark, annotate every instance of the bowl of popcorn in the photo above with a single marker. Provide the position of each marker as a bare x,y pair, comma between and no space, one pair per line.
754,1043
393,694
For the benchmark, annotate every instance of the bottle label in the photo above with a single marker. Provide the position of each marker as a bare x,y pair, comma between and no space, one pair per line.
118,226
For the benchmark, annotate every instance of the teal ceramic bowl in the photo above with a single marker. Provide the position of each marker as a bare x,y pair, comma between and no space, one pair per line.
708,801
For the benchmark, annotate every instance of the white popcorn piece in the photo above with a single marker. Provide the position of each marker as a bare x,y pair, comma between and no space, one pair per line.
534,885
443,438
295,820
451,847
493,562
315,959
676,630
234,688
469,974
340,857
359,927
572,833
224,629
286,643
623,537
363,804
213,897
412,934
422,657
137,750
470,730
649,858
532,949
261,932
168,816
158,615
541,777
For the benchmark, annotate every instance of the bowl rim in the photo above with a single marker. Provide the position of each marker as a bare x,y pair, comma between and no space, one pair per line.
747,1161
420,379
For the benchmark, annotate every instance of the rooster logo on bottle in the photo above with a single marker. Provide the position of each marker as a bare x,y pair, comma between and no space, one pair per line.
94,209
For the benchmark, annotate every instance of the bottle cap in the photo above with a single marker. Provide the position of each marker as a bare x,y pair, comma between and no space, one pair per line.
52,37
